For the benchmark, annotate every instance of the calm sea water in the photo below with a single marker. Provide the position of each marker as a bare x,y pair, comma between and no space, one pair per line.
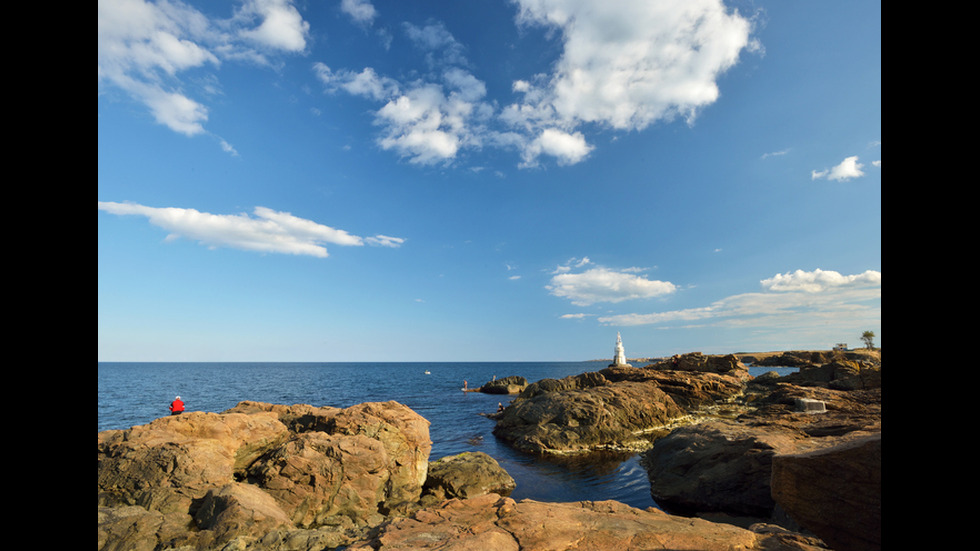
136,393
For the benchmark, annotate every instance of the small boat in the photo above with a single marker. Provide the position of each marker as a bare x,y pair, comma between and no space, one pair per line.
427,372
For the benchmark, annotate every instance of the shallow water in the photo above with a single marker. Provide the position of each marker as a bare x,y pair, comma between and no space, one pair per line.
136,393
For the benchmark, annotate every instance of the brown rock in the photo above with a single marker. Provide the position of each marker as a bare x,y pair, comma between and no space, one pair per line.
316,476
690,390
834,492
501,524
611,416
405,437
275,477
468,474
236,510
128,528
719,466
508,385
169,462
728,364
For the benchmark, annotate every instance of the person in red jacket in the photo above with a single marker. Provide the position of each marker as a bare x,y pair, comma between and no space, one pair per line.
176,407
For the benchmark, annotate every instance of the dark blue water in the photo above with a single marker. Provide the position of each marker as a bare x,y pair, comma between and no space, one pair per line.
136,393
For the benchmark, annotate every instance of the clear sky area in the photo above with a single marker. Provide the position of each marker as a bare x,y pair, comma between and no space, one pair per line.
486,180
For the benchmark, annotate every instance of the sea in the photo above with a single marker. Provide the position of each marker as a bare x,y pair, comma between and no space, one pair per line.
133,394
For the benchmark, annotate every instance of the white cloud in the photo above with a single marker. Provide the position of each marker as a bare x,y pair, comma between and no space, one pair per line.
625,64
361,11
269,231
567,148
145,47
366,83
425,121
280,27
385,241
630,63
798,298
604,285
439,45
847,169
819,280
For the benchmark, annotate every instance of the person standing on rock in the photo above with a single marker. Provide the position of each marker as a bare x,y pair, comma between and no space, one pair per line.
176,407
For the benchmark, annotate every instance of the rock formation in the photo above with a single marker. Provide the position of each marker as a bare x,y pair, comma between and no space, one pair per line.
303,478
465,475
259,471
490,522
617,408
508,385
835,491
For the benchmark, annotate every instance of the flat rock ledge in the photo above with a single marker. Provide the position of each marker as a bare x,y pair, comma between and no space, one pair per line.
491,522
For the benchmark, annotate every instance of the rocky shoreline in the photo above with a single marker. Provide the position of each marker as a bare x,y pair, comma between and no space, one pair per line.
769,462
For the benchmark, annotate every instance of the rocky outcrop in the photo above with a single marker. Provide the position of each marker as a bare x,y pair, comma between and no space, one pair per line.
719,466
838,374
804,358
609,416
302,478
465,475
617,408
260,473
501,524
508,385
782,460
695,361
835,492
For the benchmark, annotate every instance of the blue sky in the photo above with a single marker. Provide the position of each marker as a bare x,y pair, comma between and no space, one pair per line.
374,180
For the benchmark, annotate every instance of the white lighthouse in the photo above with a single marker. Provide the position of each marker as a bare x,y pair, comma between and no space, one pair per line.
619,357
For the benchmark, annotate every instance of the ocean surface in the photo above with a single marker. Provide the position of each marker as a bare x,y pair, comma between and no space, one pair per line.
136,393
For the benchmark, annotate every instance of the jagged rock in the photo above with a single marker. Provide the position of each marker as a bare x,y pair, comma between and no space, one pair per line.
166,464
617,408
834,492
499,523
316,476
260,476
468,474
695,361
611,416
720,466
237,510
581,381
838,374
690,390
508,385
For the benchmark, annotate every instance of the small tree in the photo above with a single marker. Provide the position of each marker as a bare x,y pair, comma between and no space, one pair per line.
869,339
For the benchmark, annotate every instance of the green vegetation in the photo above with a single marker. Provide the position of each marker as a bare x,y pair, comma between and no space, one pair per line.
868,337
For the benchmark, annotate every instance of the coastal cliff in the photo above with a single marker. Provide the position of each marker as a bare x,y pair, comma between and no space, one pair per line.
299,477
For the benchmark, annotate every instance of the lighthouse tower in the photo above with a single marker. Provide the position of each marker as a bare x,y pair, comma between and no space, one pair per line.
619,357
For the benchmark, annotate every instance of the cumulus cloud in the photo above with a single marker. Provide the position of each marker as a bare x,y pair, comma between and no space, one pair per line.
277,25
366,83
567,148
425,121
361,11
800,297
819,281
269,231
145,47
848,168
601,284
630,63
625,64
